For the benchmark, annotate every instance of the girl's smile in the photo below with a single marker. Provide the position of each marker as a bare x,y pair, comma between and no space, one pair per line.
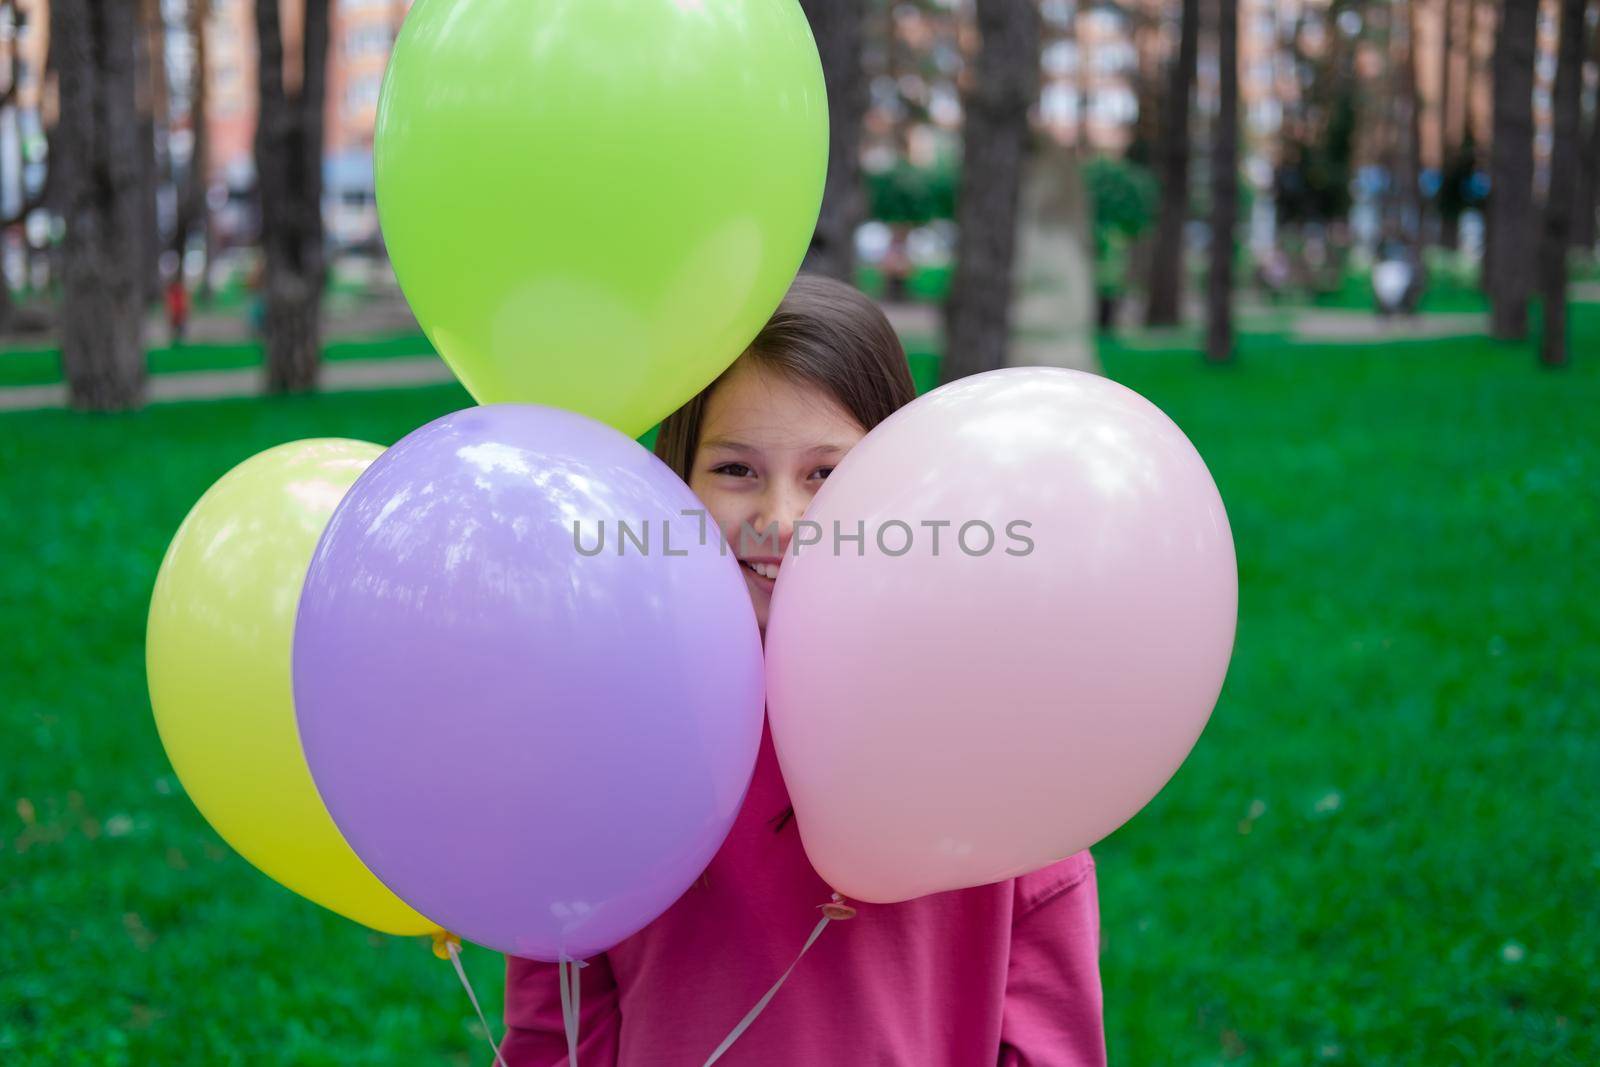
765,570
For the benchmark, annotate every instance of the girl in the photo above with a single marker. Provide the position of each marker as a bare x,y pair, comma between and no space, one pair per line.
1001,974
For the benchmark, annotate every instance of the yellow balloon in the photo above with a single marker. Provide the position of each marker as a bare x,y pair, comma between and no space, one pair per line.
217,654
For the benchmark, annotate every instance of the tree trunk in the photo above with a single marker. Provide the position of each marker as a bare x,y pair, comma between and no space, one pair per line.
1511,172
837,26
1566,104
1166,271
1053,303
1478,13
996,136
192,206
1447,56
1224,187
98,167
1147,89
1414,209
200,187
149,220
289,173
1480,127
1084,139
1584,203
150,103
1450,232
1449,139
8,102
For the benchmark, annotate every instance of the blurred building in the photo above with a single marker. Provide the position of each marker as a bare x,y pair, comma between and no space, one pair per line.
1089,72
1101,61
913,59
230,50
24,44
25,32
364,32
362,35
1103,74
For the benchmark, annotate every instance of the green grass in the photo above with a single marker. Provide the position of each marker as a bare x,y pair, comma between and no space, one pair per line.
1384,850
1385,847
42,366
159,945
927,285
1442,295
1449,289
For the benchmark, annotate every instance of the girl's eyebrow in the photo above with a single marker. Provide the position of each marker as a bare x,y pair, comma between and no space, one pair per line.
727,442
740,446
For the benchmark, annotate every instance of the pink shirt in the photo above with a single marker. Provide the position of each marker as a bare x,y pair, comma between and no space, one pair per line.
1002,974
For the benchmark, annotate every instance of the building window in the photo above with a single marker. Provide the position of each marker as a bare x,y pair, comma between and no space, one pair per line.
362,93
1103,22
1266,115
1114,106
1060,58
1058,104
368,39
1057,12
1113,57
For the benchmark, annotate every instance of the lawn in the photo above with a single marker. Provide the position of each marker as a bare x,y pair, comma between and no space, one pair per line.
1447,290
42,365
1384,849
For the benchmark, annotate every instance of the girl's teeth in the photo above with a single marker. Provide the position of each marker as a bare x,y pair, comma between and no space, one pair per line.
766,570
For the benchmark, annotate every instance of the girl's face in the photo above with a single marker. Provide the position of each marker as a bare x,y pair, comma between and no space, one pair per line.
766,445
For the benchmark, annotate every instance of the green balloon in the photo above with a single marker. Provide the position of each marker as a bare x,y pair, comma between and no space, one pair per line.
596,204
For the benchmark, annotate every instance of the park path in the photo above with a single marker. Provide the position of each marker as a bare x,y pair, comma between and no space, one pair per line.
347,375
1366,327
920,321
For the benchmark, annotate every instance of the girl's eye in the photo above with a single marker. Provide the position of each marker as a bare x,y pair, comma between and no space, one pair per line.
736,470
823,472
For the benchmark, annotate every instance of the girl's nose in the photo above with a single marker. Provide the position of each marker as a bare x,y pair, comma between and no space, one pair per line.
781,509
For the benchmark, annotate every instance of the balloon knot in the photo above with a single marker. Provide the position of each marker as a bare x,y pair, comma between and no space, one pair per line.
837,909
442,940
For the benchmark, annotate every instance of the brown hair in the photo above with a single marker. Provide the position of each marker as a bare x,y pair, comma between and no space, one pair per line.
826,334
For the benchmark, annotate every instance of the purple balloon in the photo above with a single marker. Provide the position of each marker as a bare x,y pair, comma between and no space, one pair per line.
536,747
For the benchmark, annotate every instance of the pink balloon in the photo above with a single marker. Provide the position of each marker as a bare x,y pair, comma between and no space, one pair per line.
968,711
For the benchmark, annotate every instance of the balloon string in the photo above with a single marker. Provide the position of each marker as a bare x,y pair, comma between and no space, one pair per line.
567,973
750,1017
454,948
